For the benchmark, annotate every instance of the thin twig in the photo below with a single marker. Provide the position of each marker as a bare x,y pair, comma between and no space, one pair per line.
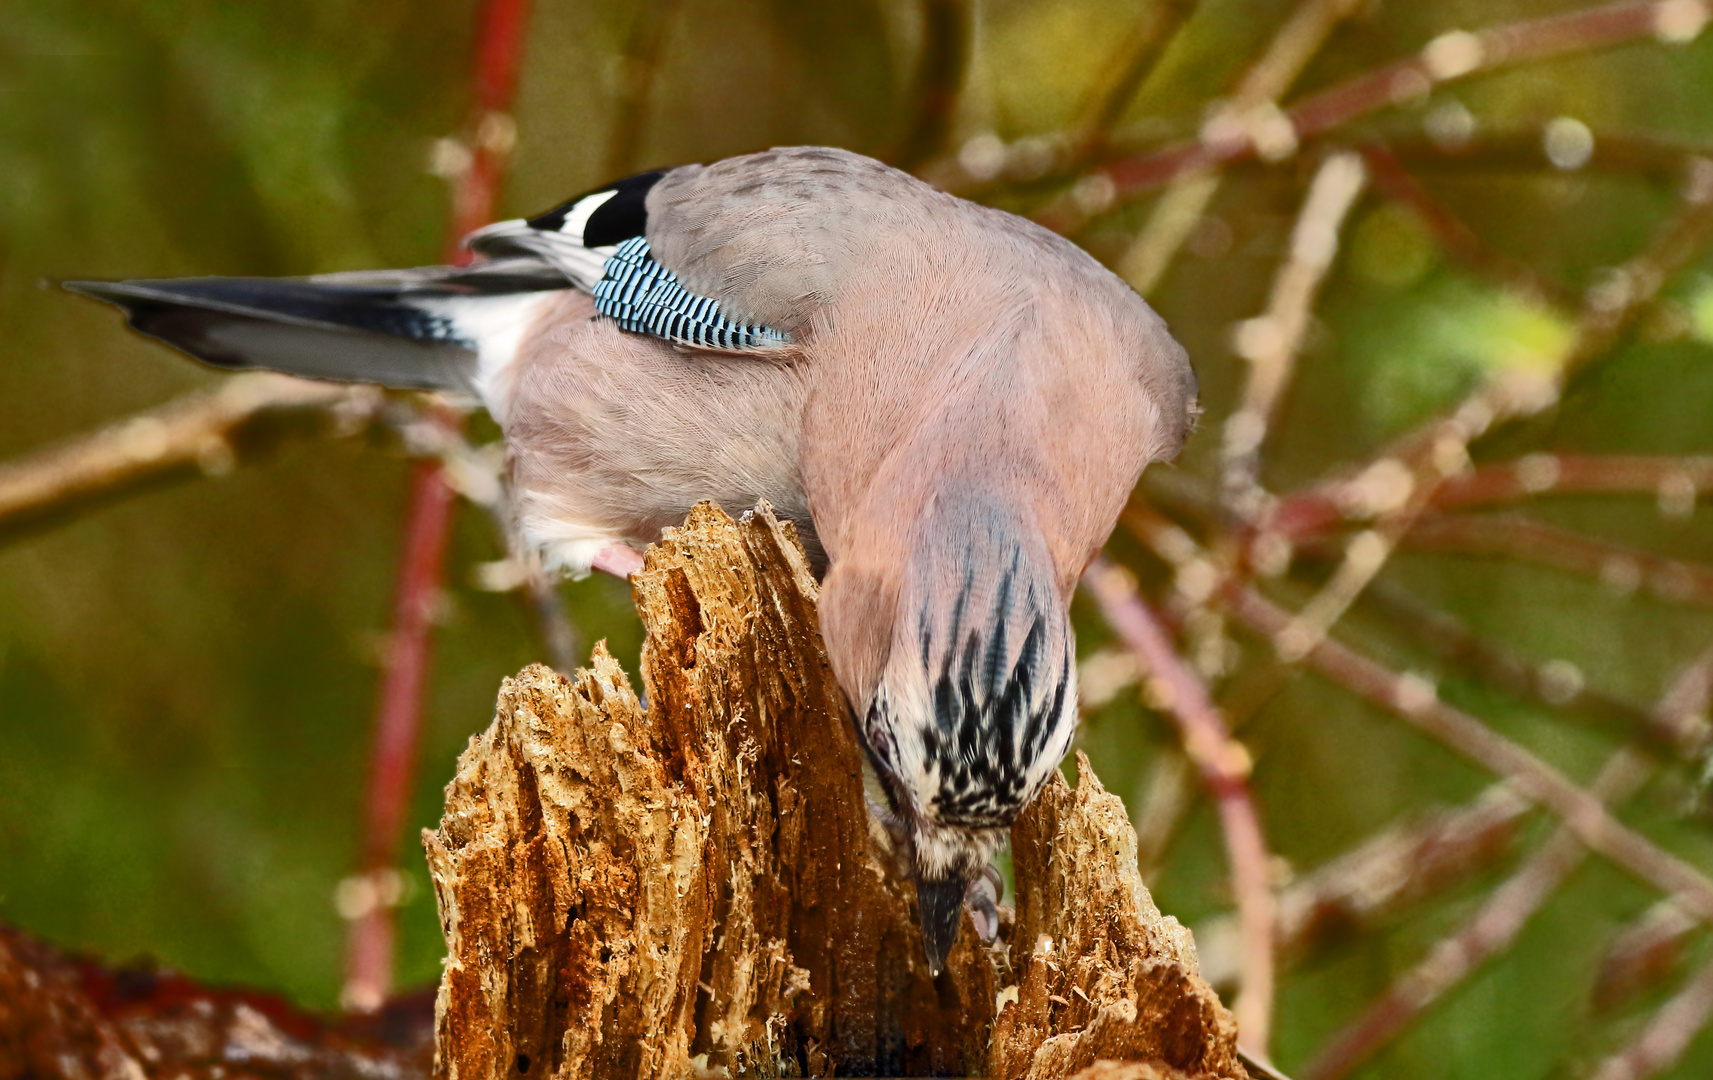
1613,305
1437,450
1250,118
398,719
1164,803
1397,487
634,75
1415,700
1490,932
1669,1033
1132,62
1271,341
1517,150
1379,881
1555,685
1224,766
1523,150
1642,955
1454,55
1457,239
1622,569
1364,556
1664,1040
1645,953
205,433
1677,483
946,46
1496,925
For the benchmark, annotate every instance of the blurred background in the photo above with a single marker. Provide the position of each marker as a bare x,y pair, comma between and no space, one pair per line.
1359,217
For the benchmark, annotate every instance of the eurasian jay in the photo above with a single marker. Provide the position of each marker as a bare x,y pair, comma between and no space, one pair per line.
952,403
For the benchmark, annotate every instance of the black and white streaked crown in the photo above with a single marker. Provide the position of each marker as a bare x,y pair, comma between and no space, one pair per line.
1000,702
599,241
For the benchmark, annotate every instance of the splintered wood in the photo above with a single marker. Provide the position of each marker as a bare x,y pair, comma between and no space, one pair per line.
689,889
1102,974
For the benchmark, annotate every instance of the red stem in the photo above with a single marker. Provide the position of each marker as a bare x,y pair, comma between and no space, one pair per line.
403,684
1316,511
1499,47
1224,767
398,717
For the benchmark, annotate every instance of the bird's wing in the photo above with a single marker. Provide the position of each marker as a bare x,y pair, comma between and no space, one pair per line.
600,240
736,256
774,235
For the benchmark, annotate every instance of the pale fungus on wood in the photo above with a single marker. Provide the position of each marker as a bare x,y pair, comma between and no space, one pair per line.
688,888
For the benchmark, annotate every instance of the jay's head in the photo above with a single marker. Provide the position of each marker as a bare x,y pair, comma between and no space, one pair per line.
975,701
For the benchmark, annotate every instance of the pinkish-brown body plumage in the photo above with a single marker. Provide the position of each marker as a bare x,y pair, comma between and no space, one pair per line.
952,403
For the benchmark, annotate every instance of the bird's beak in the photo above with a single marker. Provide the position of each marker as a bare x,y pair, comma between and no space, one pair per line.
939,905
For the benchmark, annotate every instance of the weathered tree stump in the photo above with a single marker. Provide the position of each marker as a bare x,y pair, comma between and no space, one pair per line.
1102,974
71,1018
688,888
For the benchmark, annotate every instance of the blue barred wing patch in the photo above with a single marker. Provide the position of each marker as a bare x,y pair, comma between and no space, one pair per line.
646,298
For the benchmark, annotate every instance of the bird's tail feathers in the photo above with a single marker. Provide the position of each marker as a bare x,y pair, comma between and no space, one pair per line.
436,328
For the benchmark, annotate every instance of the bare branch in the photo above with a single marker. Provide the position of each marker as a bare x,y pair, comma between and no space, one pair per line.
1224,766
1554,685
1379,881
1642,955
494,73
1677,483
1662,1043
1270,341
1451,56
1414,699
1458,240
398,722
1623,569
1655,160
1490,932
1167,797
1645,953
939,81
204,433
1132,63
1250,117
1496,925
1437,450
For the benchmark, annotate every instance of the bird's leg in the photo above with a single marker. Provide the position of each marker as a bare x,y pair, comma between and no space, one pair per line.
982,899
618,560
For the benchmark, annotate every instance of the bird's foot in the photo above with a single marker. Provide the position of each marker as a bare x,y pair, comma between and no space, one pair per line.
618,560
982,899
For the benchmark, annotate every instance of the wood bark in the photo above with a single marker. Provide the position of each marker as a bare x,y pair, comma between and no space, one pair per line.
688,887
66,1018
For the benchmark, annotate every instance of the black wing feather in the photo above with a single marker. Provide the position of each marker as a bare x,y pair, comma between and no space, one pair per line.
358,327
